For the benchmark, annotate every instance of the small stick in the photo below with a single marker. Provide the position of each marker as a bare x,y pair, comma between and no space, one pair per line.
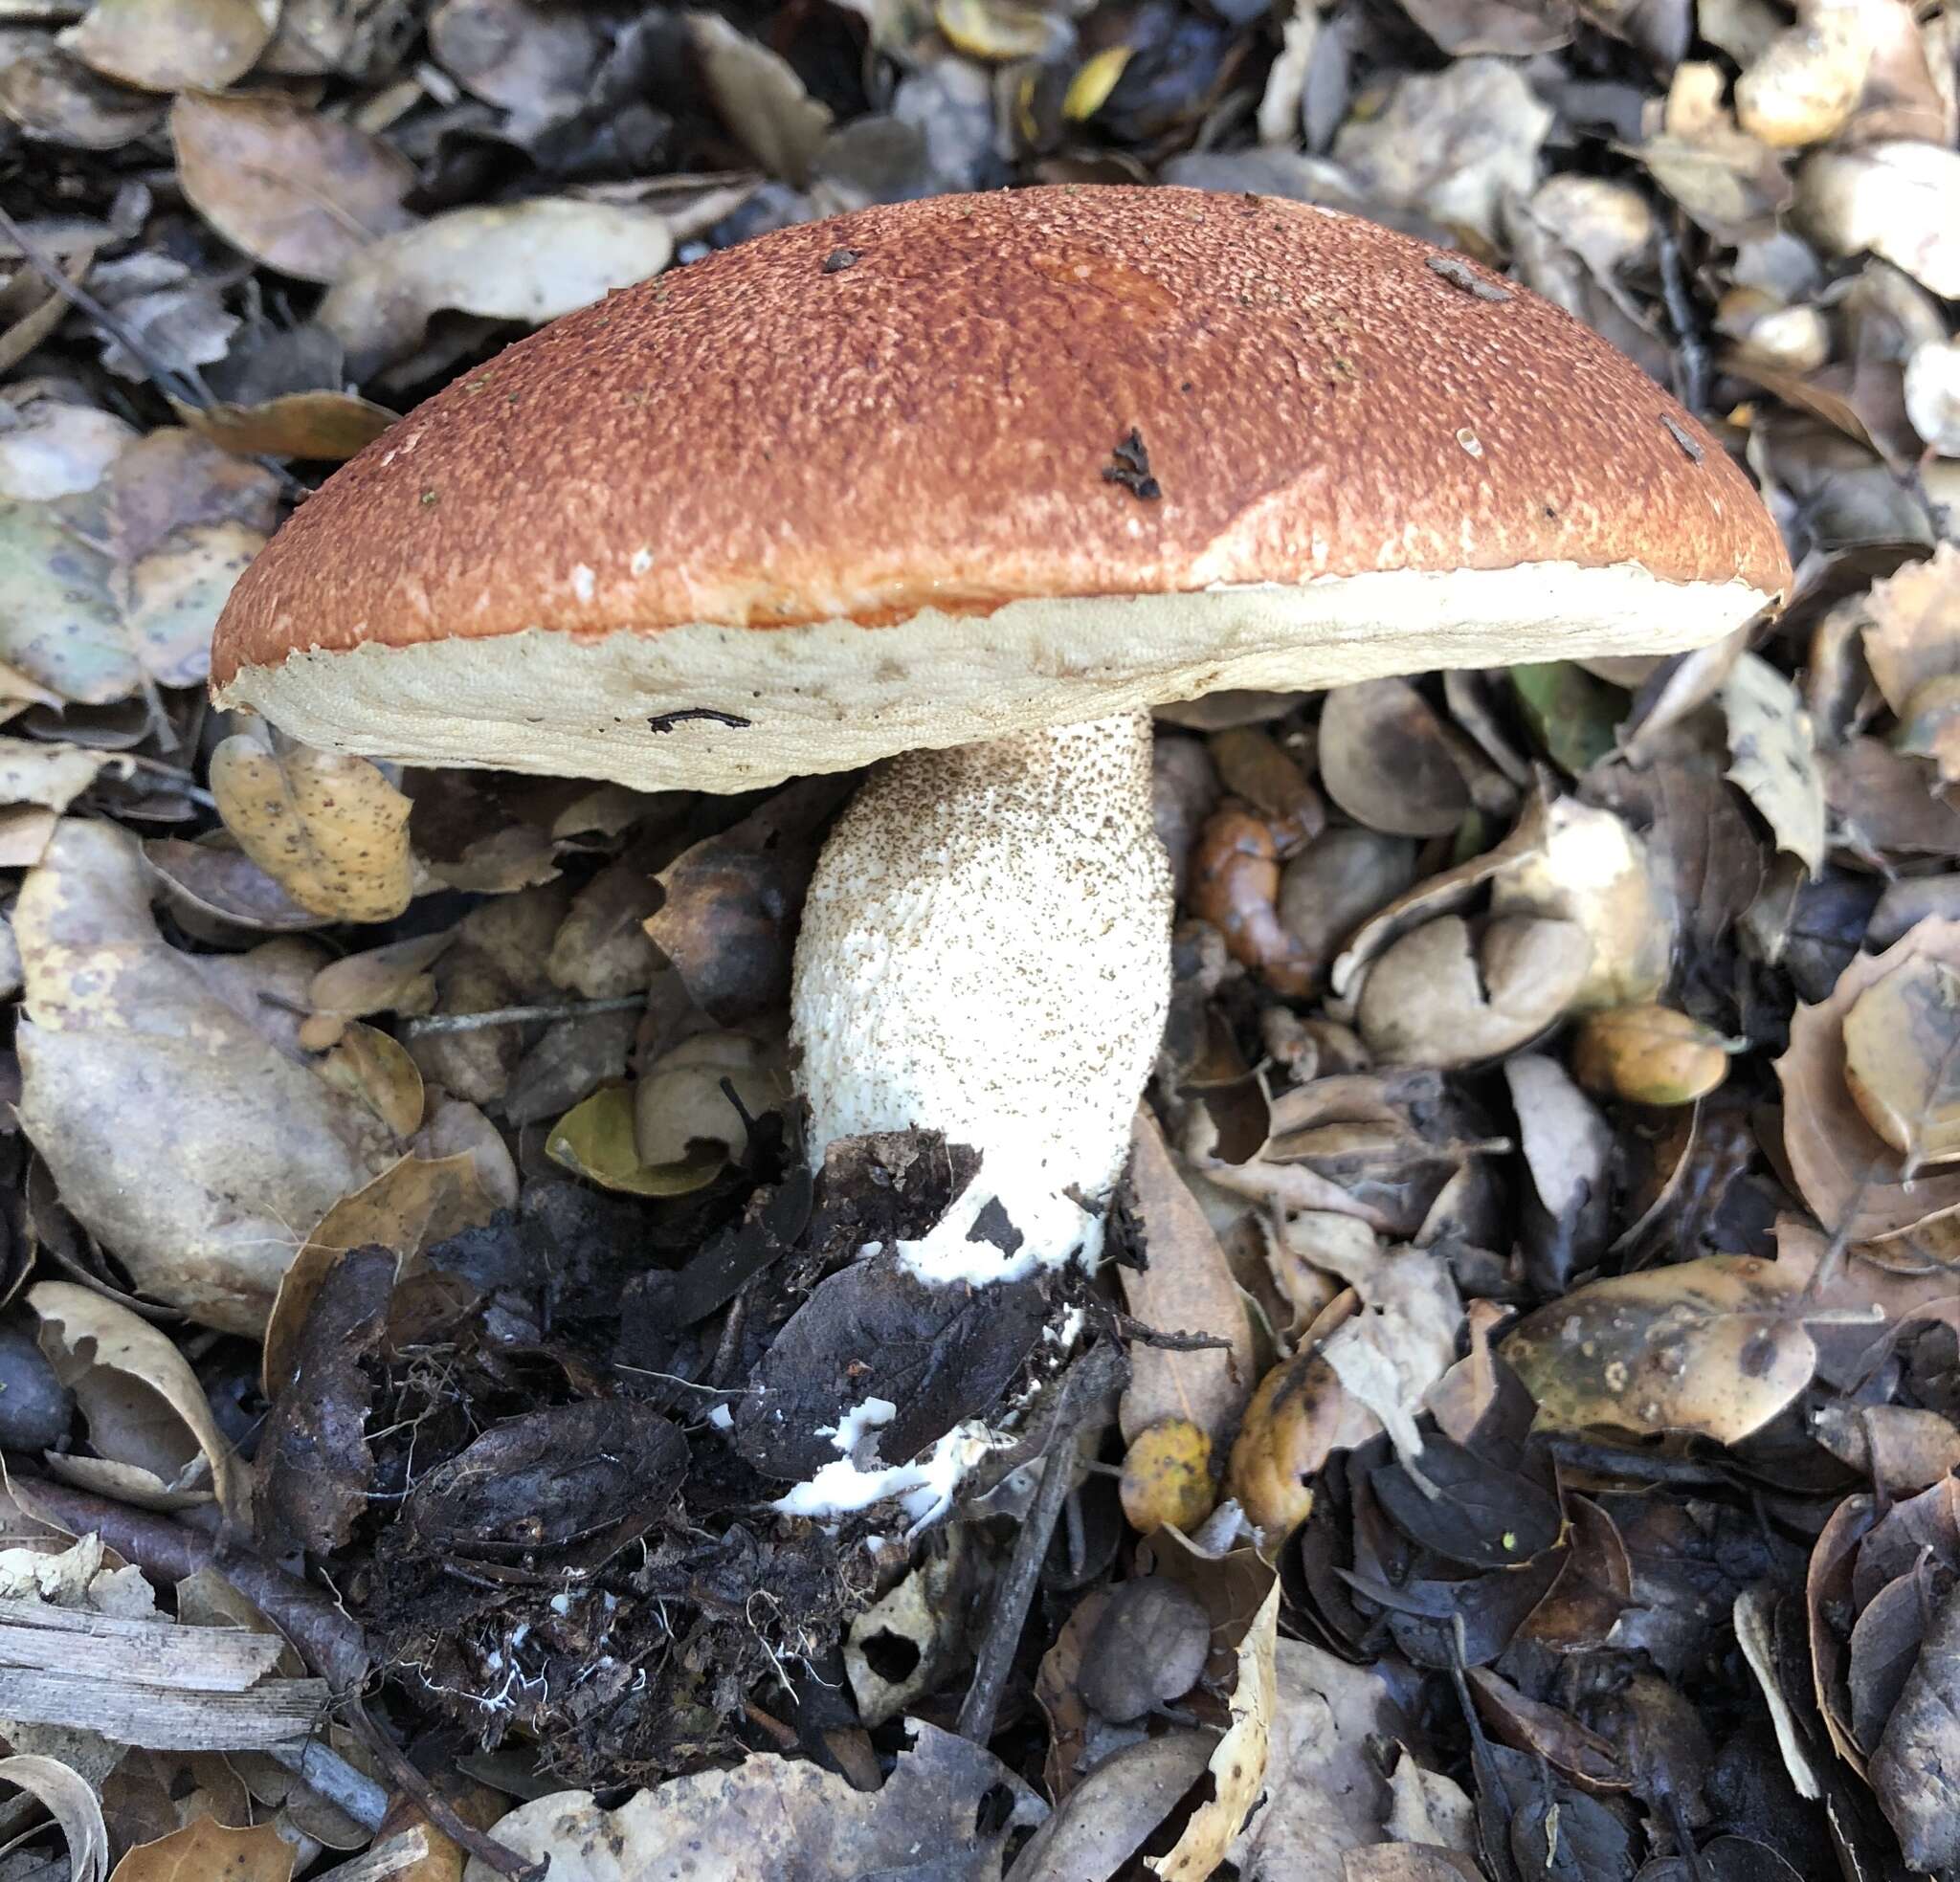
325,1772
500,1856
1084,1383
421,1026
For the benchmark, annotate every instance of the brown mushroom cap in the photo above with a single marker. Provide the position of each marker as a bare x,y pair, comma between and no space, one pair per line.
862,485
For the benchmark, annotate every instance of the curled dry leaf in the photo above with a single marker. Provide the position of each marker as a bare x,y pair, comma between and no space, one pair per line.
1590,869
1385,761
1299,1417
779,1816
298,191
393,978
1447,996
1854,1181
1109,1817
1649,1055
415,1202
596,1139
528,261
1899,1446
70,1800
1715,1346
173,45
1340,880
1900,200
680,1106
1902,1060
241,1145
122,582
1774,755
374,1068
760,98
148,1421
1439,894
1911,623
1238,1764
329,829
1187,1288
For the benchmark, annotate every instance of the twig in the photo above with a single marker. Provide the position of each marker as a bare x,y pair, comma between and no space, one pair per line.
188,388
1689,346
1143,1334
500,1856
1082,1386
424,1025
331,1640
325,1772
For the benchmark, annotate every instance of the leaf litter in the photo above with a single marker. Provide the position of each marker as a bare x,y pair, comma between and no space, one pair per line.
1534,1281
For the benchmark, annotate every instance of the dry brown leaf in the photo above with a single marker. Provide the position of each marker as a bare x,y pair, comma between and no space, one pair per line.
1385,761
149,1423
329,426
1730,183
329,829
207,1851
393,978
772,1815
54,775
1390,1355
598,1140
1649,1055
172,45
536,61
122,582
1899,1446
1802,87
374,1068
528,261
1439,894
1912,1770
58,99
1902,1060
1590,869
413,1202
760,98
1328,1796
1238,1764
1775,756
1408,1862
1188,1288
1900,200
1299,1417
1452,143
1716,1346
130,1048
1445,996
1852,1179
298,191
1912,641
680,1106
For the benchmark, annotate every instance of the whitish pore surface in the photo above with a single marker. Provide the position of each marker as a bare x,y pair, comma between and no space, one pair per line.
986,952
829,695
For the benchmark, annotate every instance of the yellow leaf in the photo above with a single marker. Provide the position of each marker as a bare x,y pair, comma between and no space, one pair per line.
331,830
595,1139
207,1851
1167,1477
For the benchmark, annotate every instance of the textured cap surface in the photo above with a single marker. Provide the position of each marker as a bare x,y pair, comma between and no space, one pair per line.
871,449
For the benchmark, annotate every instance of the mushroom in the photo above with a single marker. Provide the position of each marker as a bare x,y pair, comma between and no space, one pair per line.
967,486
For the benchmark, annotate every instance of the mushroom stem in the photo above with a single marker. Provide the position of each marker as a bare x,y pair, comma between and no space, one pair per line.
986,952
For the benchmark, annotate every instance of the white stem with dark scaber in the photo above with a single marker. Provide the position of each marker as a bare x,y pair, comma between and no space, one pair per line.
986,952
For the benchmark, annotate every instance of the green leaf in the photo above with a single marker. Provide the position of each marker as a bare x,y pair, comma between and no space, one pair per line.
1574,717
